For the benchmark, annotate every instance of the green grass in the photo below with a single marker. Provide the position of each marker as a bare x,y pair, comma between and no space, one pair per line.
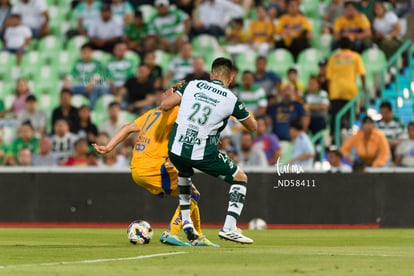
38,251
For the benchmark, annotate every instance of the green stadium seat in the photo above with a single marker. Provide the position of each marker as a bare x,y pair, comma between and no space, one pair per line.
211,56
49,47
310,8
75,43
374,60
47,102
101,105
101,56
204,44
162,59
31,62
32,45
246,61
56,17
7,61
79,100
308,63
6,88
279,61
51,86
134,57
63,62
148,11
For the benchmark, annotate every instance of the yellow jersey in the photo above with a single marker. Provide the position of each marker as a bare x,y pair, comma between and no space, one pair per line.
351,27
341,72
151,147
295,24
261,31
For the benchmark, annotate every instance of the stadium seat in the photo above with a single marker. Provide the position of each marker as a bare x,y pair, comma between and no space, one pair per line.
51,86
56,18
7,61
49,47
211,56
47,102
310,8
308,63
148,11
374,60
101,105
101,56
31,62
75,43
279,61
246,61
63,62
79,100
6,88
203,44
134,57
162,59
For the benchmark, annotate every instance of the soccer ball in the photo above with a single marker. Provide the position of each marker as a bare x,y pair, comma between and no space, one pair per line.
139,232
257,224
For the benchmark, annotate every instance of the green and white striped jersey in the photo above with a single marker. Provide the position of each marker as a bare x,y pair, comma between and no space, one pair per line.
120,70
169,26
203,114
253,98
394,129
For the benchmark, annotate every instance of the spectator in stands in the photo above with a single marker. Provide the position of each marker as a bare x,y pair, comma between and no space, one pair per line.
88,76
236,33
36,117
122,11
355,26
283,113
26,140
261,31
84,127
366,7
66,110
45,156
387,30
199,72
226,146
391,126
294,30
136,33
267,141
169,28
4,149
293,80
249,154
18,105
113,160
303,150
252,95
16,37
5,11
24,158
93,159
323,81
156,73
114,123
104,32
370,144
211,17
186,6
119,67
404,154
34,15
63,140
180,66
317,103
86,13
276,8
139,91
266,79
342,69
80,154
102,137
335,160
332,11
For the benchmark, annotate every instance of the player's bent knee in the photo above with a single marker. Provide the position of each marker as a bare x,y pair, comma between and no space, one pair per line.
240,176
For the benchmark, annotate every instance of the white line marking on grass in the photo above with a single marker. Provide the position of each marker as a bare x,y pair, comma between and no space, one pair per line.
96,260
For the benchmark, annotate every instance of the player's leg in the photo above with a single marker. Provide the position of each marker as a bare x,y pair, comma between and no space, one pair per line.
224,167
185,171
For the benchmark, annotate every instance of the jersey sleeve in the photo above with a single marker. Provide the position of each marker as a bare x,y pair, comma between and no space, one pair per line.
240,111
180,91
140,120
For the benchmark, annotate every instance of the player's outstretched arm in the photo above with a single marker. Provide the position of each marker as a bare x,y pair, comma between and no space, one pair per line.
170,101
250,123
119,137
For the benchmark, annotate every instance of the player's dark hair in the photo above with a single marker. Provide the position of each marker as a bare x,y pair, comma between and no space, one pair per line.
222,67
296,124
87,45
345,43
386,105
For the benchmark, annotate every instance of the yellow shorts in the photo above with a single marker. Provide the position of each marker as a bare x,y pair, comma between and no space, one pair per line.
159,181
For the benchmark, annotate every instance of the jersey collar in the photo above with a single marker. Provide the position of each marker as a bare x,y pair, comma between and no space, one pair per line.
219,82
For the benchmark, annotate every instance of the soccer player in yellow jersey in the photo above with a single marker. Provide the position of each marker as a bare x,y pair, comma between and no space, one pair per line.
150,166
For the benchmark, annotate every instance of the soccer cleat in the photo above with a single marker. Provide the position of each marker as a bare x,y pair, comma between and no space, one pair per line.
189,230
235,236
203,241
170,239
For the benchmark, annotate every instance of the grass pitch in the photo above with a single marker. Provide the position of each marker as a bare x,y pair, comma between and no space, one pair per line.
68,251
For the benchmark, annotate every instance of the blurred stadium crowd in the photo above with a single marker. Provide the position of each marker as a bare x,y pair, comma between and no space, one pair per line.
73,72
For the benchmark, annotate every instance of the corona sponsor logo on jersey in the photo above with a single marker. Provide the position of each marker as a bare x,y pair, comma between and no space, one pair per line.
204,85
